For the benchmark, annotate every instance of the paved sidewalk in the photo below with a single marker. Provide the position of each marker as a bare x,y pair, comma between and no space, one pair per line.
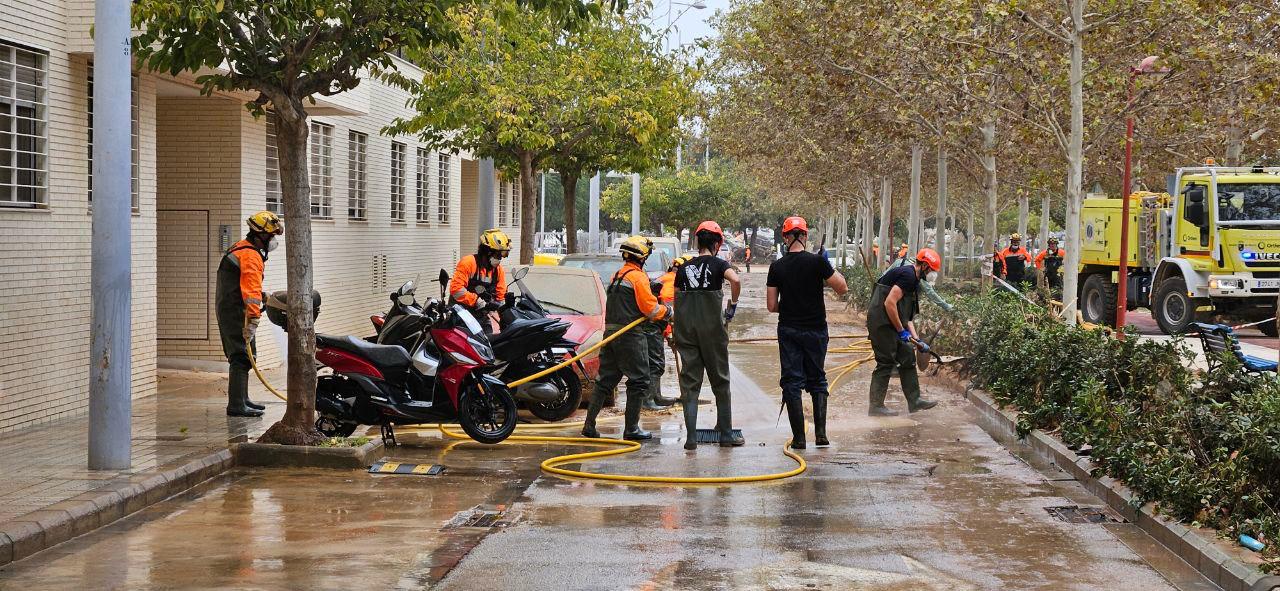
47,483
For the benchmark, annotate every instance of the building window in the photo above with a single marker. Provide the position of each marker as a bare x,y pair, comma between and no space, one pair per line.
424,186
24,155
399,153
502,204
321,157
442,188
135,128
515,205
274,203
357,180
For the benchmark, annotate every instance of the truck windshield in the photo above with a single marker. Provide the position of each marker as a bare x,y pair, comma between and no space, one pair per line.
1247,202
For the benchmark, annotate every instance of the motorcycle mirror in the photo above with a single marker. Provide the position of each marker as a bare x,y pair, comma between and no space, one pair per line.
444,277
520,273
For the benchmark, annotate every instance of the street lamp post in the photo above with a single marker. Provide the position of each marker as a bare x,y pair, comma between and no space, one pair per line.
1147,66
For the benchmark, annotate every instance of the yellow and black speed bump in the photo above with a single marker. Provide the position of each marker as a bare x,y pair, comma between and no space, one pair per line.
402,468
713,436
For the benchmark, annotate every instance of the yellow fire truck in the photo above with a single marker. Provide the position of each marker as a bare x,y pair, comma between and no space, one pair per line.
1209,246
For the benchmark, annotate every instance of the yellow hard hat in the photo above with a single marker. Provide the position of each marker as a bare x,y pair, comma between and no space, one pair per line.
266,222
1015,236
637,247
680,260
497,241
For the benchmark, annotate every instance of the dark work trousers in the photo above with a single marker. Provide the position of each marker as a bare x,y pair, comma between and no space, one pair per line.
626,356
702,341
653,332
231,329
802,353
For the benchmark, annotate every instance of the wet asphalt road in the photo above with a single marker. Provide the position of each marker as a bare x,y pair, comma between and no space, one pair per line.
925,501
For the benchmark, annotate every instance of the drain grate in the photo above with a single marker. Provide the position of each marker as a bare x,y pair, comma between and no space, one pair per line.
484,517
713,436
1077,514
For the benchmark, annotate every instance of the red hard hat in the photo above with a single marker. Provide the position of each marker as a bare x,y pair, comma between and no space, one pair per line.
795,222
929,257
710,226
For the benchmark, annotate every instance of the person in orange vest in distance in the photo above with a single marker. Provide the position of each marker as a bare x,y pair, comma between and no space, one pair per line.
658,333
1049,261
902,250
238,305
1015,260
630,297
483,269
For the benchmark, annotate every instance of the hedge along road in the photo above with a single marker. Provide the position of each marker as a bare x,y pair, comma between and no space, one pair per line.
925,501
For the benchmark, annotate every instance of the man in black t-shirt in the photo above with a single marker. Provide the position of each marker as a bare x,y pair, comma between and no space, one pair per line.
795,287
892,332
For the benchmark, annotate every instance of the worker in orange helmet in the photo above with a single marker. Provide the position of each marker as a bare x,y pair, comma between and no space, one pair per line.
891,329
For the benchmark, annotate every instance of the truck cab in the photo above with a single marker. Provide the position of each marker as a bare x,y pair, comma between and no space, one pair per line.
1210,246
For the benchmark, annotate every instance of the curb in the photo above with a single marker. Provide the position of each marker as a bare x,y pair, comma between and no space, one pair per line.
293,456
1201,551
83,513
91,510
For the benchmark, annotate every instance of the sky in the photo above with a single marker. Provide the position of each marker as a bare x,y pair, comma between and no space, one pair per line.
692,25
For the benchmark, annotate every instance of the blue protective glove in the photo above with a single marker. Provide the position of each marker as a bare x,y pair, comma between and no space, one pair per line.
730,310
923,346
904,335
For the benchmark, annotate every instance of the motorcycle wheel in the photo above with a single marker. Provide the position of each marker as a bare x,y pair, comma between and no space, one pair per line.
331,427
566,380
487,416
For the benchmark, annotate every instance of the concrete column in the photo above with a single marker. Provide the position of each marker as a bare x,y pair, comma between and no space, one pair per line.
542,207
487,182
593,213
110,403
635,203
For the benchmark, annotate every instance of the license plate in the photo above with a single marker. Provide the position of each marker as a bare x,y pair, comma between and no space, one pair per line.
1269,283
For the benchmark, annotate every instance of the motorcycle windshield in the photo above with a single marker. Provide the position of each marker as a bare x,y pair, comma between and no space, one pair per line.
468,320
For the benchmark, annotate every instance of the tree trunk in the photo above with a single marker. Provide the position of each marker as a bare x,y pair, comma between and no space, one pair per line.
528,205
1024,211
297,427
989,181
843,237
969,237
942,206
1044,222
1075,161
913,219
569,181
1235,126
886,219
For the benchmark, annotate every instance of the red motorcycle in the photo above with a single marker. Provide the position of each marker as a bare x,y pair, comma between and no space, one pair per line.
444,376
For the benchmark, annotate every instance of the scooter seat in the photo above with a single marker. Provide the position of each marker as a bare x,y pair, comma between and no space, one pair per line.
385,356
519,327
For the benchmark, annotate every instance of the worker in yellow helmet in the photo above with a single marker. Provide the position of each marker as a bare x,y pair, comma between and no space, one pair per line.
238,302
479,282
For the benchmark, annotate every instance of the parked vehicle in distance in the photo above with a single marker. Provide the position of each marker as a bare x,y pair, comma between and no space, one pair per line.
547,258
574,295
605,265
667,245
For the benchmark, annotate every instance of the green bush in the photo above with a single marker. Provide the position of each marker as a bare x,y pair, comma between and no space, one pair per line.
1204,446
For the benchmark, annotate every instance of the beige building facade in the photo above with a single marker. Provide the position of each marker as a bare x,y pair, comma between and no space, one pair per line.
384,210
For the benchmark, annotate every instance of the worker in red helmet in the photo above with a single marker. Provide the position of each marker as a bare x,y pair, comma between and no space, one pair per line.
702,336
891,328
795,292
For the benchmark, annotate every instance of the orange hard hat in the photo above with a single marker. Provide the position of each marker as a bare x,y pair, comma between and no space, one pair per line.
793,223
929,257
710,226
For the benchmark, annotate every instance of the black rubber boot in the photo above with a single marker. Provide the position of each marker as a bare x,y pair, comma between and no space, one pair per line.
882,411
253,405
795,416
820,419
632,430
237,394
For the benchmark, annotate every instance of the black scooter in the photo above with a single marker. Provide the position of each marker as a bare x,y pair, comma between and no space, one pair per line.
529,342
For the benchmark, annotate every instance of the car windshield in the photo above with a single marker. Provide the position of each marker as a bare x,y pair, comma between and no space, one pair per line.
562,293
603,267
1248,202
668,249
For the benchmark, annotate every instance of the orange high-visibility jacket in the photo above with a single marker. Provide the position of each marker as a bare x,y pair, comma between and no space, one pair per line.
1007,254
646,303
245,257
668,294
1040,257
468,275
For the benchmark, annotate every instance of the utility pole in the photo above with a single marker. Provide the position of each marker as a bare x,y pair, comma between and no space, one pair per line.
635,203
593,213
542,207
488,180
110,275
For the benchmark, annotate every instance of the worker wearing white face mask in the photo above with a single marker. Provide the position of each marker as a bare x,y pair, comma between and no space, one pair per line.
891,329
927,287
239,305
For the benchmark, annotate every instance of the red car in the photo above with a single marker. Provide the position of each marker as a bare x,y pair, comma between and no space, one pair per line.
576,296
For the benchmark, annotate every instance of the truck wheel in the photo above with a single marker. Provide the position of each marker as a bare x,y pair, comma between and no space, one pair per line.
1269,329
1098,300
1173,308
